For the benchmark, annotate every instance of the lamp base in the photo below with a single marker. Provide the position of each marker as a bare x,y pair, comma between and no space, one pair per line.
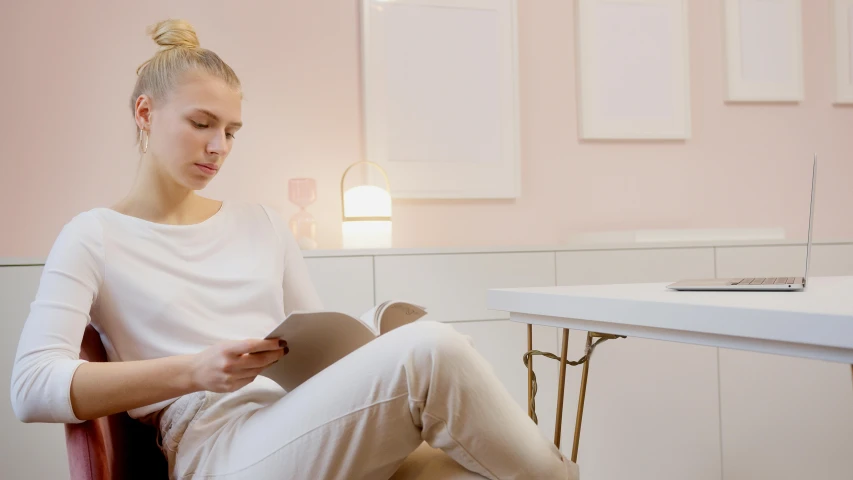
367,234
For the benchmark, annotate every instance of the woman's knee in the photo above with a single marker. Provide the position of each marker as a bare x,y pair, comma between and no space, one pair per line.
436,338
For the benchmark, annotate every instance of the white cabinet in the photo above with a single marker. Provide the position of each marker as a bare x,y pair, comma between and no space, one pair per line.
651,411
831,260
784,260
785,418
633,266
654,410
345,284
503,343
29,450
651,408
453,287
771,261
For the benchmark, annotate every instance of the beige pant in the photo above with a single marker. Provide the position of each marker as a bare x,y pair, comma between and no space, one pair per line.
363,417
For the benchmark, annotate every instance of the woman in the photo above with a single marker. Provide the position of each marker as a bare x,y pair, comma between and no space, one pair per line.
182,290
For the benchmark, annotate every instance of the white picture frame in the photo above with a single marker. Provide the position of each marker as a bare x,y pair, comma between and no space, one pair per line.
440,97
633,70
842,20
764,50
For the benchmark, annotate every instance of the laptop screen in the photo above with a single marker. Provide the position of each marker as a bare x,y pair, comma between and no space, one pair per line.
811,219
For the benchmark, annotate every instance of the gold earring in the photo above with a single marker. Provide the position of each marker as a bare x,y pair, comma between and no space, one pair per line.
143,133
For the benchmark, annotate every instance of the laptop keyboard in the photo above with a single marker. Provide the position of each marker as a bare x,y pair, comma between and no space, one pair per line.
768,281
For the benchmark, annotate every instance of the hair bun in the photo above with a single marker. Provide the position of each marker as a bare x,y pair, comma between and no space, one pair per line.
174,33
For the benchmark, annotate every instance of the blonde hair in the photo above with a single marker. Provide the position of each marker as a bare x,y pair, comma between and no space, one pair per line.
179,53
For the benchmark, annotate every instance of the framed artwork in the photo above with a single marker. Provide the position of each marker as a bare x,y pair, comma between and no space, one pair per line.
440,96
842,12
633,69
764,50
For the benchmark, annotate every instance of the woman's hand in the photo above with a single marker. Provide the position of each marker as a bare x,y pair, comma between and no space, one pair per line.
229,366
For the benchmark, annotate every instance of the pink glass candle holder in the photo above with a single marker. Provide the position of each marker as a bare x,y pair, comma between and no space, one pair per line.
303,192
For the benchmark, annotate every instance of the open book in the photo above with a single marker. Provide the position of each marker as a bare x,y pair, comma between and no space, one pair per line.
319,339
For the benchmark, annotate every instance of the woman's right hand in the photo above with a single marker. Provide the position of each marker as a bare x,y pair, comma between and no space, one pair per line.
229,366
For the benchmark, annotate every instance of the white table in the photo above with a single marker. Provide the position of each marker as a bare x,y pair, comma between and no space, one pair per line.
815,323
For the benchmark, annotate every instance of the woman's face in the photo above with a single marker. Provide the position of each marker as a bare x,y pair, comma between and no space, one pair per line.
192,130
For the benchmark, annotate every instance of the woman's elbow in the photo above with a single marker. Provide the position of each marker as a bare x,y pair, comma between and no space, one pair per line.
25,412
41,393
24,403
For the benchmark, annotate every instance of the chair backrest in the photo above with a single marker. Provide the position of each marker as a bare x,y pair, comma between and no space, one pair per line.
113,447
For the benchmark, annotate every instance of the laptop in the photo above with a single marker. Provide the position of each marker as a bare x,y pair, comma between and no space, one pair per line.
761,284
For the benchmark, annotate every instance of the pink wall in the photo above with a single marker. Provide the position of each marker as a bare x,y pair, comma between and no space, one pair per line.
66,133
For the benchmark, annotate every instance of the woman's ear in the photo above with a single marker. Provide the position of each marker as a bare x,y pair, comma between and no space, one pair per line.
143,112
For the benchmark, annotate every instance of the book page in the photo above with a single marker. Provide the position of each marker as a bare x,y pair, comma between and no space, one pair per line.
316,340
397,314
372,316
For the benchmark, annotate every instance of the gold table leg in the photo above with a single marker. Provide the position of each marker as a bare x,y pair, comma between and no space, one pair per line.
531,411
530,371
562,388
581,399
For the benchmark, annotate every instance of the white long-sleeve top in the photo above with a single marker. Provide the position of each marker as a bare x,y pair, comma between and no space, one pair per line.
153,290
